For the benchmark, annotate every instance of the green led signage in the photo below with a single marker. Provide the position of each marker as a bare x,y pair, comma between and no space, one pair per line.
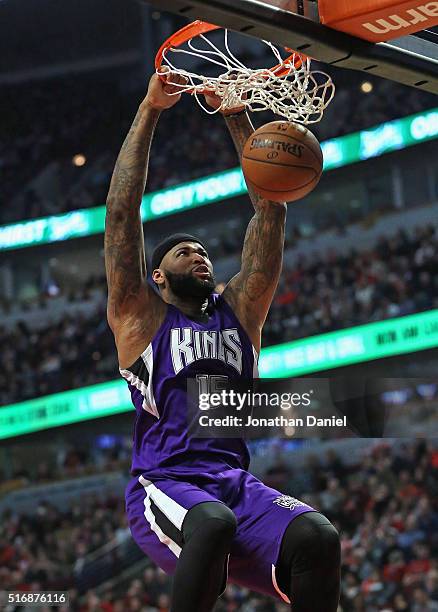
65,408
353,345
196,193
338,152
316,354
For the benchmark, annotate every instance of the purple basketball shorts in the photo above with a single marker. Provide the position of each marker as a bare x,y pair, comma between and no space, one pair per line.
156,511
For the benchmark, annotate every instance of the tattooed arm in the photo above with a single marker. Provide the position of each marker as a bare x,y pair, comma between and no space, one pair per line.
134,310
251,291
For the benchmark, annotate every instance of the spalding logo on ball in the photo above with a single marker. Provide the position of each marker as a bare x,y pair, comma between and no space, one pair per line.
282,161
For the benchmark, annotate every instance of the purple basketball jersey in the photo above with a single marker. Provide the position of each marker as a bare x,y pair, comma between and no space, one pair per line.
183,348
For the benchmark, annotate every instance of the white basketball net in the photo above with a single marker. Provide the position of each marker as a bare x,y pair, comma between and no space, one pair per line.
300,95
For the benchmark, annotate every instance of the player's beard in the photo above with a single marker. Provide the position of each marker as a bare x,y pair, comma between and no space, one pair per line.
188,286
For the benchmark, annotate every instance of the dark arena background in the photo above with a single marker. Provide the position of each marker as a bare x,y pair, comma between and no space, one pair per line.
357,299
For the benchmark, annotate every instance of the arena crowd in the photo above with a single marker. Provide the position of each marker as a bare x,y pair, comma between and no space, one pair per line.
384,505
317,294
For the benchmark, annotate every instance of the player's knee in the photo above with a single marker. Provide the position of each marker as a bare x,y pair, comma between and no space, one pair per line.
220,531
213,519
309,542
319,543
331,545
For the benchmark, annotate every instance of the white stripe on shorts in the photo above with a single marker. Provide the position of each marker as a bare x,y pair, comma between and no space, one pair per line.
169,507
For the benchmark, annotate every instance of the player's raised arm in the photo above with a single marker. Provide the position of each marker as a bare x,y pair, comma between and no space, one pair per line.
129,296
251,291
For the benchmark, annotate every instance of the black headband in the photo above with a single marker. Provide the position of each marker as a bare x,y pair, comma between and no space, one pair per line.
168,243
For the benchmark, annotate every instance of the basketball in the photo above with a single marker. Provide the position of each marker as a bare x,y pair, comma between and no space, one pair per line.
282,161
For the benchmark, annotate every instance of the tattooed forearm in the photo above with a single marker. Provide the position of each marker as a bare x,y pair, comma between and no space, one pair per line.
252,290
262,254
129,176
124,244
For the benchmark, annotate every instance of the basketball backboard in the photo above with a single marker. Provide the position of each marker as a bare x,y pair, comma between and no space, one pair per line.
411,60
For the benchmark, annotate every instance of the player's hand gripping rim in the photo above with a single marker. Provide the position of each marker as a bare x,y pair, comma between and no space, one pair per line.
164,89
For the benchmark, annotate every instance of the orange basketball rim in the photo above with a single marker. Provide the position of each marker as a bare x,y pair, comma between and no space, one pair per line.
197,28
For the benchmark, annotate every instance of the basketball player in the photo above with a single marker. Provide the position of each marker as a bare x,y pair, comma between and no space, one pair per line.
192,506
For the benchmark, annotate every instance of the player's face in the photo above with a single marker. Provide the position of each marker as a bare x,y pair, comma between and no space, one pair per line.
189,270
